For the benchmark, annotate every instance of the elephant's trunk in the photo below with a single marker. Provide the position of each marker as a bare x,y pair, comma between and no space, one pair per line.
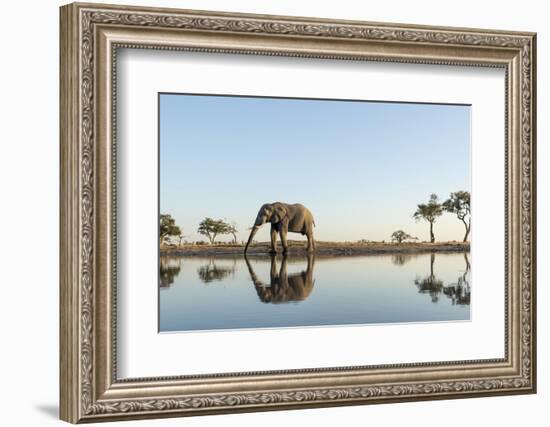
252,234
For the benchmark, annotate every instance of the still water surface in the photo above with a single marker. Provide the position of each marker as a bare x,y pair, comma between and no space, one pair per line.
264,291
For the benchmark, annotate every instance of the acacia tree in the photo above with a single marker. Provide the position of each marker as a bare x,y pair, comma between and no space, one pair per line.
168,227
211,228
459,204
399,236
429,212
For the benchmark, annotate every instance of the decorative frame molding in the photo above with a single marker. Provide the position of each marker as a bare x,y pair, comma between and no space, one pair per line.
90,36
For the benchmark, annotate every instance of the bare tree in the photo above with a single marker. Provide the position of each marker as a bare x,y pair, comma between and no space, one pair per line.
232,229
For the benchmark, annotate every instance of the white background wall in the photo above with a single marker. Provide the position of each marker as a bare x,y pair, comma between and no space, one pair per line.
29,171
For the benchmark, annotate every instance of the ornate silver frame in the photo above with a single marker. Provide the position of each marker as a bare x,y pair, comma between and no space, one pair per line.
90,36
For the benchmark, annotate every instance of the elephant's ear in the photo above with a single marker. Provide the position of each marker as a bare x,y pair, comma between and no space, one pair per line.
279,213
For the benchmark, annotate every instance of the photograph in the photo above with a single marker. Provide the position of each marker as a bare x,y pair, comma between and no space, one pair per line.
271,209
299,212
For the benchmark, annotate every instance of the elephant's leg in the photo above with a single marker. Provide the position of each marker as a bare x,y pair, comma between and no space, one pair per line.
310,242
273,271
273,239
282,232
283,275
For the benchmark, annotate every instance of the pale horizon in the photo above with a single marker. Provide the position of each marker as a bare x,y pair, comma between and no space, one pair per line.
361,168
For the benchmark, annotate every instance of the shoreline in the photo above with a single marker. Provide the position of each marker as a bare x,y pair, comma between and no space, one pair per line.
322,249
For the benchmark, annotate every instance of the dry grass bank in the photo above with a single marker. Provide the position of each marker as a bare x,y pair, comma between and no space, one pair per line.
323,248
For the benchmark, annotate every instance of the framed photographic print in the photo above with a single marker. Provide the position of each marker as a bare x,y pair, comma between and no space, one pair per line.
266,212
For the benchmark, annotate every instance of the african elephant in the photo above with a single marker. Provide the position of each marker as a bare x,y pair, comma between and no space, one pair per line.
283,217
284,287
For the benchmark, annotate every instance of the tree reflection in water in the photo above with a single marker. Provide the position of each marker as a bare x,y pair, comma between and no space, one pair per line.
458,292
401,259
430,284
284,287
211,271
169,268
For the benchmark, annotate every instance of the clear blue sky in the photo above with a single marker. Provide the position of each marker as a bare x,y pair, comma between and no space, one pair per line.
360,167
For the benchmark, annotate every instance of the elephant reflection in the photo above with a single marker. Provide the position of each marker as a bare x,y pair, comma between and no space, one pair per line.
284,287
169,268
212,272
460,292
